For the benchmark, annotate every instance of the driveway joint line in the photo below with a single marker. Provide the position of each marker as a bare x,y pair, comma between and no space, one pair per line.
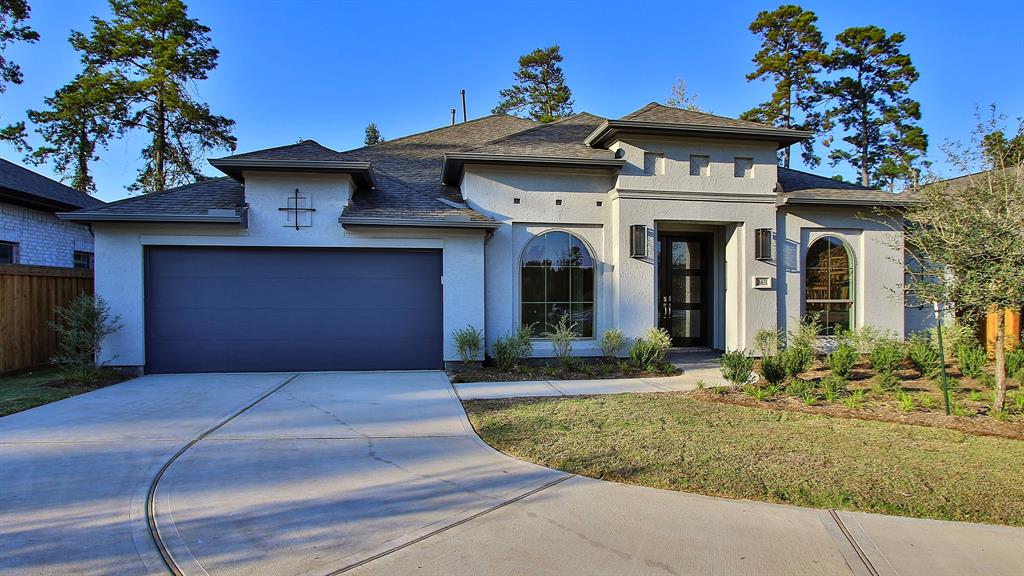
154,530
853,542
498,506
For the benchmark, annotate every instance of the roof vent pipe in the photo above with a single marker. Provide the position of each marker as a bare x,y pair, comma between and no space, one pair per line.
463,105
453,116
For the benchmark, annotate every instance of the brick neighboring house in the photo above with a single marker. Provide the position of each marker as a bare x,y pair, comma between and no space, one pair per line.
30,233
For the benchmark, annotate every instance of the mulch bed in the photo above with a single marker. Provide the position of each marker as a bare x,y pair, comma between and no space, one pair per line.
874,410
593,372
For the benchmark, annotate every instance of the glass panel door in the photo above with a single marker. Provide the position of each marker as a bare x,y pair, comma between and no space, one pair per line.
684,289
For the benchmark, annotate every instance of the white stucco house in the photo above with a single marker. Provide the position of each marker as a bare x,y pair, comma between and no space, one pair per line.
306,258
30,232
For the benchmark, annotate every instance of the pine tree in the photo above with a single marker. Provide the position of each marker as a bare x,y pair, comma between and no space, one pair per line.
792,55
682,97
153,53
373,135
13,14
78,119
540,91
870,103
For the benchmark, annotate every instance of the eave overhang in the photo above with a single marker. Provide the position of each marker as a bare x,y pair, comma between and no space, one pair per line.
28,200
880,203
454,163
611,130
215,218
360,171
359,221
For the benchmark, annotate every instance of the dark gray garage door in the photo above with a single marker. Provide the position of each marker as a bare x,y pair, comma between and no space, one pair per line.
270,309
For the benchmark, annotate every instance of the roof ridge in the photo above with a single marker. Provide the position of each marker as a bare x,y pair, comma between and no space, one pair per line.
282,147
152,194
530,129
438,129
654,105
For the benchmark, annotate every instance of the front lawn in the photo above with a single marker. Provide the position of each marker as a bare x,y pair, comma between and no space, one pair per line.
43,386
680,442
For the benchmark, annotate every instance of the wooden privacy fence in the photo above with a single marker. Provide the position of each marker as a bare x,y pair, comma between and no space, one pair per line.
28,297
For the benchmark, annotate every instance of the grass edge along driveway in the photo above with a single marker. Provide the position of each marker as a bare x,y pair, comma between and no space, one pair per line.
676,442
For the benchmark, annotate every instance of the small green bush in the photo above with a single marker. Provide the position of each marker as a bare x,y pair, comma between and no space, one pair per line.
971,357
833,386
1015,364
987,380
648,351
887,356
807,333
737,366
1018,402
862,339
887,381
954,334
81,327
469,342
924,355
796,359
928,402
842,359
798,388
810,397
759,392
855,400
512,349
905,401
612,343
772,369
767,342
562,338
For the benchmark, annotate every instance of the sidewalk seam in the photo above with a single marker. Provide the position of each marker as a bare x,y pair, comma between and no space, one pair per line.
853,542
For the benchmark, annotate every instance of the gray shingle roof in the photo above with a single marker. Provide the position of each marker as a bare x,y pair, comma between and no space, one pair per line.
561,139
655,112
408,170
28,187
796,187
189,200
303,150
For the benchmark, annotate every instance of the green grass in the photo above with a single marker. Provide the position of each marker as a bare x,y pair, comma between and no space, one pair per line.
43,386
681,443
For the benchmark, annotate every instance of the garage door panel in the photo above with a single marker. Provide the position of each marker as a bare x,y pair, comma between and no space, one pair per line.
273,293
257,309
302,323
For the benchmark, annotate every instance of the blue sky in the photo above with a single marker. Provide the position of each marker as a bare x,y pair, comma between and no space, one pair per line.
323,70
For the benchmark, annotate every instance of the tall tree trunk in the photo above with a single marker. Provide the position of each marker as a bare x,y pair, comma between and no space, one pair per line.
864,179
789,123
1000,401
160,144
82,155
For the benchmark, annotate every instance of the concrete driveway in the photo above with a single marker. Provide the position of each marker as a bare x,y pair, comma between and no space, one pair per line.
380,473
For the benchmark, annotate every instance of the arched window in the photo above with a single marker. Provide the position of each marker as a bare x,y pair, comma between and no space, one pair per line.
557,279
828,283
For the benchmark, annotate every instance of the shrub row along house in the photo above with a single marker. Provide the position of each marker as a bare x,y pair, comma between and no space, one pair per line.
306,258
30,232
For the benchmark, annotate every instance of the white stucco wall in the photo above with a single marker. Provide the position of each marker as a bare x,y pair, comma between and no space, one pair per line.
42,238
878,267
120,253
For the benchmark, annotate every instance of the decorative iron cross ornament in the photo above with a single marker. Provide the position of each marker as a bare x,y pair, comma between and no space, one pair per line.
295,208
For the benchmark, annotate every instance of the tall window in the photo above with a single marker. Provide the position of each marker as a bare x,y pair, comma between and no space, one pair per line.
828,283
557,280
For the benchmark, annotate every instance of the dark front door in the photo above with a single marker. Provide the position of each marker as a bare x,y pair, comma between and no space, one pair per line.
685,263
287,309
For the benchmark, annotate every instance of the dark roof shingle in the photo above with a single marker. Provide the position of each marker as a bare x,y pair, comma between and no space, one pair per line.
655,112
189,200
796,187
559,139
36,189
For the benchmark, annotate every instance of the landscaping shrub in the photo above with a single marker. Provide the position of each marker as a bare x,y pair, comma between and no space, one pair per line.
796,359
612,342
81,327
807,333
887,381
887,355
798,388
833,386
1015,364
648,351
468,342
971,357
862,339
953,335
987,380
767,342
561,341
855,400
737,366
758,392
905,401
512,349
842,359
924,355
772,370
